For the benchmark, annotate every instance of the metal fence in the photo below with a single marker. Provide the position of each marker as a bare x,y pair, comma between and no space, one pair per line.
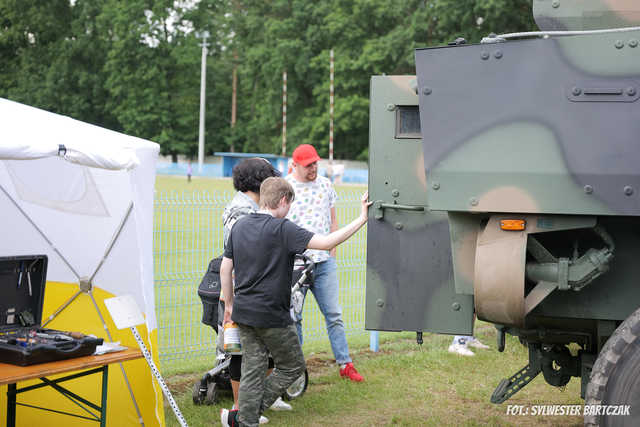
188,233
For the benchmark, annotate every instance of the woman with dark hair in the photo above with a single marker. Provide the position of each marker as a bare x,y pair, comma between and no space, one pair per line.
247,177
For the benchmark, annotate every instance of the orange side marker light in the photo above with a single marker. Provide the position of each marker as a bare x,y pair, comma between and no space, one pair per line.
513,224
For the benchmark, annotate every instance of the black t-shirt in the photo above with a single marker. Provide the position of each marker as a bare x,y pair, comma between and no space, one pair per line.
263,249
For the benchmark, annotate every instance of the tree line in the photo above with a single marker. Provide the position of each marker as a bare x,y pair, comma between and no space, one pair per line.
134,65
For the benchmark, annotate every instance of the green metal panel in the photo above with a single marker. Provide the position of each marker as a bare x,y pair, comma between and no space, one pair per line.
585,14
409,270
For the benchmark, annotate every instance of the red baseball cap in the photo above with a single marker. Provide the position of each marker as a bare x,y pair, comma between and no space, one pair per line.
305,154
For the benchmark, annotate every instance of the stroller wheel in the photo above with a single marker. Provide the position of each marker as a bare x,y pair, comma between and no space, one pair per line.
197,395
298,387
213,392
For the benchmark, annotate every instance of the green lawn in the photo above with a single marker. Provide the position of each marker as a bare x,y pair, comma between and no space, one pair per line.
405,384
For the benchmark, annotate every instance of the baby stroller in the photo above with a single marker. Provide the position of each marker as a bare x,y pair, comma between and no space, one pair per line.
218,380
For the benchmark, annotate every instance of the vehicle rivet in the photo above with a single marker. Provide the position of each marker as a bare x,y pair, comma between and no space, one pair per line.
391,107
379,303
576,91
628,190
633,43
426,91
484,55
456,306
473,201
619,44
399,226
555,4
395,193
498,54
631,91
435,185
588,189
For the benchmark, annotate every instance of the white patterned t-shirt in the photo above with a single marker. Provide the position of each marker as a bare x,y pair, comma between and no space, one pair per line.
311,209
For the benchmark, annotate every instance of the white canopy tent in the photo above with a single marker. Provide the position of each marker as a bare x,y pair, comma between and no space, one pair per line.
83,195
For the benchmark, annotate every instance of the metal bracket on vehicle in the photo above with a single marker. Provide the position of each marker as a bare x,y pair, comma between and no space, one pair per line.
509,387
379,206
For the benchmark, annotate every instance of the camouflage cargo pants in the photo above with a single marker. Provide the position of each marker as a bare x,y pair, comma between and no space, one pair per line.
257,392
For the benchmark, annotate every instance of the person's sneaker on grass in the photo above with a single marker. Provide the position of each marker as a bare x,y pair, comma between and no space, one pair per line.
349,371
476,343
280,405
230,417
461,349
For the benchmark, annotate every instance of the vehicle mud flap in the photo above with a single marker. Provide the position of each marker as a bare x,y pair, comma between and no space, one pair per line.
499,272
499,275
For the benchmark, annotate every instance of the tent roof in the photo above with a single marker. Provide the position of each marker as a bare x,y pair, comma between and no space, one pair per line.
31,133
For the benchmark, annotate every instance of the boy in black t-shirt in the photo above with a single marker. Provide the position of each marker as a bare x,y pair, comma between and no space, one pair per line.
261,248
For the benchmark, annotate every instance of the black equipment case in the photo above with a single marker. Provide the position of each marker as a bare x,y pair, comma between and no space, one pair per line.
22,340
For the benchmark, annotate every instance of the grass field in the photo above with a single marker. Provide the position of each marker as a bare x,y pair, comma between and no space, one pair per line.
406,384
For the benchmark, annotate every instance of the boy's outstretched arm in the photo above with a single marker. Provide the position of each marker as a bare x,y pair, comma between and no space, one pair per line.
226,283
330,241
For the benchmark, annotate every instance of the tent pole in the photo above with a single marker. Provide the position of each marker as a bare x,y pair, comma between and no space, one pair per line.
124,374
40,231
113,240
62,307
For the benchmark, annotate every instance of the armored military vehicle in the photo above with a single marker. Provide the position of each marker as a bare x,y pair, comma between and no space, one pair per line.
506,184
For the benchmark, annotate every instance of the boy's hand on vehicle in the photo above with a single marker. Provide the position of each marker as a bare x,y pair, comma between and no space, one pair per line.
365,205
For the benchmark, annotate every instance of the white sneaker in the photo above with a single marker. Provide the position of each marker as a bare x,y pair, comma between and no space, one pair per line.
280,405
475,342
460,349
224,417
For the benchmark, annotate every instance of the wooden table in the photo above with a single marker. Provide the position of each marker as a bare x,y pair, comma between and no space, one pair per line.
11,374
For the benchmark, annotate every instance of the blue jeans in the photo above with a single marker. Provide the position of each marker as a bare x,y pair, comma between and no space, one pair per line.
325,290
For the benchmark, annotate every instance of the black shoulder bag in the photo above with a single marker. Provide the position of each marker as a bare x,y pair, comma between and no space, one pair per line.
209,293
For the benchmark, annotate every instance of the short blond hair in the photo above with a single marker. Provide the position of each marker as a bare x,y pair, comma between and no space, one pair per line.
272,190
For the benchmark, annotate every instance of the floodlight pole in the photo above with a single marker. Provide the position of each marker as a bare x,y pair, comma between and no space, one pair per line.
203,87
331,100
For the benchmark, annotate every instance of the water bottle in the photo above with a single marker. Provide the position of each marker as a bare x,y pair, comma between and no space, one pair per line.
232,338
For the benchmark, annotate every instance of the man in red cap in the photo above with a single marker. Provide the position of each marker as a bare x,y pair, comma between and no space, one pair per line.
314,209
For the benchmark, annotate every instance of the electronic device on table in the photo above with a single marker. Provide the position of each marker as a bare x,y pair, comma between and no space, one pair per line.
23,341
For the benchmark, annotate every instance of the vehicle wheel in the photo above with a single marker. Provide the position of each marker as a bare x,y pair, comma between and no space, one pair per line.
212,393
298,387
196,395
615,377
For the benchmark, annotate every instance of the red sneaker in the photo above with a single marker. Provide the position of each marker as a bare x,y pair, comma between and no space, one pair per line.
350,372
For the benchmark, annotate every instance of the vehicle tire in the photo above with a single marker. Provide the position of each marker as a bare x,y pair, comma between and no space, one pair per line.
615,377
298,387
212,393
195,394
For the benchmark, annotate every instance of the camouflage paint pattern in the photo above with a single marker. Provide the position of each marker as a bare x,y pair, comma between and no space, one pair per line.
544,126
576,15
409,269
257,393
541,129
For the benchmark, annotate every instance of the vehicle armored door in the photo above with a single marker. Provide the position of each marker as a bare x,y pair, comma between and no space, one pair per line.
409,270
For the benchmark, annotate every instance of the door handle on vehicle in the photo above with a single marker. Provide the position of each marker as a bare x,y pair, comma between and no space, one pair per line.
379,206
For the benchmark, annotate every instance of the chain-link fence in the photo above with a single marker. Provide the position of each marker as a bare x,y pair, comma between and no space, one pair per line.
188,233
